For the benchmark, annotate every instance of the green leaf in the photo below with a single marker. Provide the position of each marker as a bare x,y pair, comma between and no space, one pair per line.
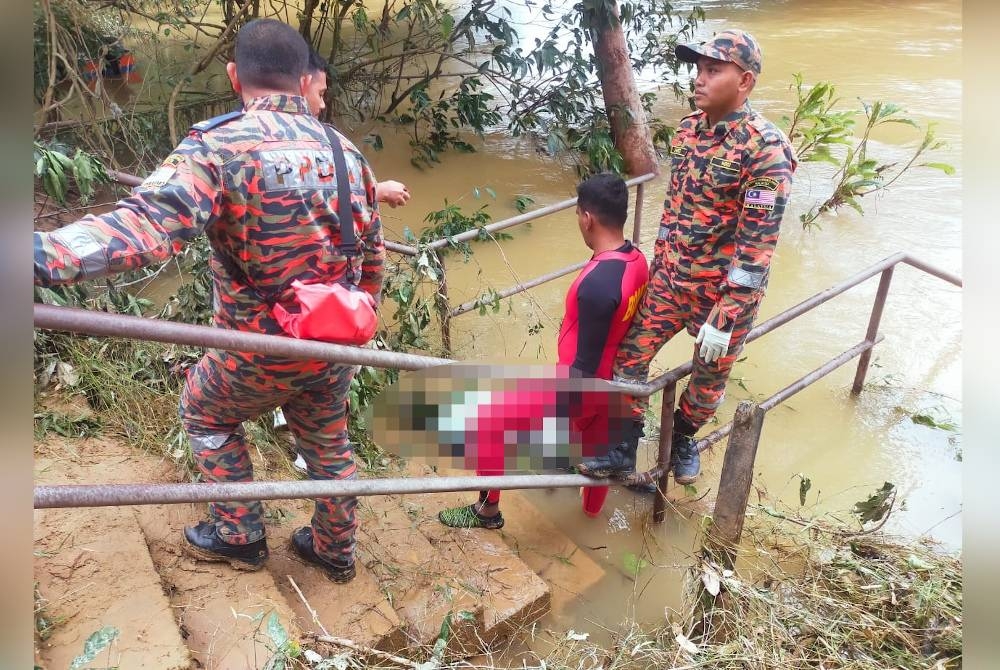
277,632
918,563
877,505
944,167
633,564
854,204
94,645
447,25
905,122
931,422
522,202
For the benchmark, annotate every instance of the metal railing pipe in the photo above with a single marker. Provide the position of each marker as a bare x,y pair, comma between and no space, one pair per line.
664,446
949,277
524,218
404,249
125,178
103,495
820,372
119,325
794,312
519,288
781,396
873,322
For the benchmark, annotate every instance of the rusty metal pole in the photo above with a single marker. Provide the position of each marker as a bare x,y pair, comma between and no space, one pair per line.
640,190
663,454
873,323
734,485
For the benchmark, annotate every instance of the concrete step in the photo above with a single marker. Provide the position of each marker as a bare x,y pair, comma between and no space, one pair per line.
358,610
551,554
222,612
421,586
81,556
93,569
513,596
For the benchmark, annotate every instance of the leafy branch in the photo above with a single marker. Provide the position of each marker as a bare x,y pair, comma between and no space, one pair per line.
816,131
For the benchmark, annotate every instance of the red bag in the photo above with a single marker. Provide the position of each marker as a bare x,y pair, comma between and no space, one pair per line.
330,313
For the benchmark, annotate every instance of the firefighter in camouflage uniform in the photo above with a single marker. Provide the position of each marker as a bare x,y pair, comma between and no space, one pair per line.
730,179
260,183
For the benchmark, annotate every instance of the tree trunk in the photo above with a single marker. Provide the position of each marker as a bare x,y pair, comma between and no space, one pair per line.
305,22
629,129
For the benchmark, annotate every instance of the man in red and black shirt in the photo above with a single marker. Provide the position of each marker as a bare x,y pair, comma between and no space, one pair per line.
600,305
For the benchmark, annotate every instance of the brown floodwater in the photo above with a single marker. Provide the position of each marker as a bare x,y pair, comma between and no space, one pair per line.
905,52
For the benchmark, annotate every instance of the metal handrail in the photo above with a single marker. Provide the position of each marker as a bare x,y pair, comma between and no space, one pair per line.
99,323
527,217
99,495
517,288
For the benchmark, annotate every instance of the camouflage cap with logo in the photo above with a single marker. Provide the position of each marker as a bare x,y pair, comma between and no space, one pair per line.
734,46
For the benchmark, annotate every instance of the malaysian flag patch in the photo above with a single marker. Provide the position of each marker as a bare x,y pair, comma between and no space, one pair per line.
761,193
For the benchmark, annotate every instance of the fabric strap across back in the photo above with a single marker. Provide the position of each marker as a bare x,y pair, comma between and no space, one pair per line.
348,246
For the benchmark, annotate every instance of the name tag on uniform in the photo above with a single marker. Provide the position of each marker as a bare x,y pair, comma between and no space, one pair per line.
305,169
678,151
725,165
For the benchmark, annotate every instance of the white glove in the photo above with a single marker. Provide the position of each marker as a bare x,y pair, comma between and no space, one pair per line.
714,343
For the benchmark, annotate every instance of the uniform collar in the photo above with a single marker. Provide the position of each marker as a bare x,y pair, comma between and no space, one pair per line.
726,124
293,104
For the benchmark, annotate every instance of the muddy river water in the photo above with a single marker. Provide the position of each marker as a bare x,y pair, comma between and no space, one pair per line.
905,52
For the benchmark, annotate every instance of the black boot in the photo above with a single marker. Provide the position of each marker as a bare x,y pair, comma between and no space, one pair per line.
684,459
619,462
302,543
204,543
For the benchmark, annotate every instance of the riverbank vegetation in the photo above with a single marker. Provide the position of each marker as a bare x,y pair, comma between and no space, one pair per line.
821,596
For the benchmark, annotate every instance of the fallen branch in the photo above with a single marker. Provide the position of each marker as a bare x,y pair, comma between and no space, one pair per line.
312,612
341,642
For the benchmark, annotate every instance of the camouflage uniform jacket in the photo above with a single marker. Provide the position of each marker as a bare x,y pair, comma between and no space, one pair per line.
729,185
261,184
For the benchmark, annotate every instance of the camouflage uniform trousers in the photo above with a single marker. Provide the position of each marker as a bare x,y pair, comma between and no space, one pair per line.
224,389
670,305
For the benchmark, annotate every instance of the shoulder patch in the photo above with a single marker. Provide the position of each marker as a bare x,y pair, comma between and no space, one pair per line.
761,193
216,121
159,178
